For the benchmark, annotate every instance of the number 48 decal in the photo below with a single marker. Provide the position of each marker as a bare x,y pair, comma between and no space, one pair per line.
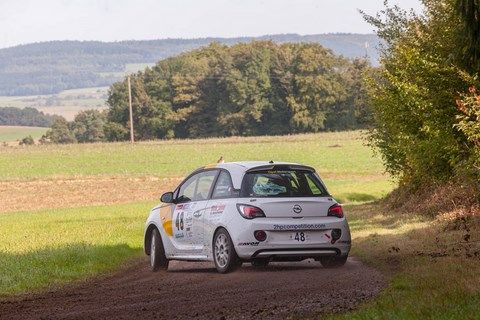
300,236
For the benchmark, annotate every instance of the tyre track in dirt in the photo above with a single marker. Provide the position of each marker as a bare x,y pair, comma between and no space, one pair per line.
196,290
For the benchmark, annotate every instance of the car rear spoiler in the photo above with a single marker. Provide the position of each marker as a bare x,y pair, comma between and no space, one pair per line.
281,167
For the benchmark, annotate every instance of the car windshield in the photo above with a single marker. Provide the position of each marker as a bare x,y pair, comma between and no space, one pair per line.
282,183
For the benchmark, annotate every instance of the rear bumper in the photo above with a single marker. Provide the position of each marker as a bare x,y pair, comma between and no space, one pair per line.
281,254
279,243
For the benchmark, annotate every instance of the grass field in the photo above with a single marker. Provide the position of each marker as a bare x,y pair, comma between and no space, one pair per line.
60,236
50,247
49,193
14,133
348,167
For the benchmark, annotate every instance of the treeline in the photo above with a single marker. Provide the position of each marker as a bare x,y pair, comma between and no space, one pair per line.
88,126
29,117
425,101
50,67
259,88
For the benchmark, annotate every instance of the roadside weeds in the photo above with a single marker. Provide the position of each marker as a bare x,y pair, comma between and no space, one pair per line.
433,263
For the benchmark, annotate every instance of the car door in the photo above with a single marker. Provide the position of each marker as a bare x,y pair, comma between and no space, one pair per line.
184,204
203,192
191,199
221,200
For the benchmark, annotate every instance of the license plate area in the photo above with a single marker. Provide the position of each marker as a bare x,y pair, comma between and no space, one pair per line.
300,237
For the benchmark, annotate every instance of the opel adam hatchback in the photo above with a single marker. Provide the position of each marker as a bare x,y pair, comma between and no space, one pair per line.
253,212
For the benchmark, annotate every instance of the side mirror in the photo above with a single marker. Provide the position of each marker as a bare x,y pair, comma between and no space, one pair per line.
167,197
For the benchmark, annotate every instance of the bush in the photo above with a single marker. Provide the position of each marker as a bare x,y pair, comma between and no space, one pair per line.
59,133
469,117
27,141
413,95
88,126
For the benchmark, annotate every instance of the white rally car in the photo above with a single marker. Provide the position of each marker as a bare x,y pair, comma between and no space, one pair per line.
253,212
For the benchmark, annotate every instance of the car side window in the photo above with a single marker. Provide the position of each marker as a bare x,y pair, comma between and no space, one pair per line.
205,182
224,186
186,192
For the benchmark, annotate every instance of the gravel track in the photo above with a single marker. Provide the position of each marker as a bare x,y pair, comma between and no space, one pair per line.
196,290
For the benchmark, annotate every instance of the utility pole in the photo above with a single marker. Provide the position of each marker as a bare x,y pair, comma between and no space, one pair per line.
132,139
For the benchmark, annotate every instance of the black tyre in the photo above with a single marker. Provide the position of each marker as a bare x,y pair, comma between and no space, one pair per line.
259,263
158,260
224,254
333,262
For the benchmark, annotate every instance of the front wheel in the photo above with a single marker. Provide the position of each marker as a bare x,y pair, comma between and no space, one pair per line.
224,254
333,262
158,260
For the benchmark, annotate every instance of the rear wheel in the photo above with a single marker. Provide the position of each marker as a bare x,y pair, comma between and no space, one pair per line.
158,260
333,262
259,263
224,254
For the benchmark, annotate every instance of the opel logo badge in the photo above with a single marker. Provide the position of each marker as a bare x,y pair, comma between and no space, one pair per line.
297,208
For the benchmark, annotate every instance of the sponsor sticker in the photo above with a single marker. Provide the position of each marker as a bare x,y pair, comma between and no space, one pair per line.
254,244
217,209
304,226
185,206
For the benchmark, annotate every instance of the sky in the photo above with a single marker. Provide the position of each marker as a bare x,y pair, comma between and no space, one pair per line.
27,21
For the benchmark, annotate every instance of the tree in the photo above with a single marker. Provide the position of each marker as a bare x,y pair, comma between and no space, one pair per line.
29,117
88,126
59,132
317,89
115,132
247,89
469,12
152,115
413,95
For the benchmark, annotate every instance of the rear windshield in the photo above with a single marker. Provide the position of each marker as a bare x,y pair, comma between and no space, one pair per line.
284,183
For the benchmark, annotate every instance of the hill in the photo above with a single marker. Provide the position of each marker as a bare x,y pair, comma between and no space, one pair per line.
50,67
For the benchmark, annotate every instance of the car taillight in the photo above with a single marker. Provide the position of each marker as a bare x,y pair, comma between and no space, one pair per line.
335,211
250,212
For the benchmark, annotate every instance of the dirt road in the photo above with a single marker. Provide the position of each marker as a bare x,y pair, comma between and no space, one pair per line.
195,290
